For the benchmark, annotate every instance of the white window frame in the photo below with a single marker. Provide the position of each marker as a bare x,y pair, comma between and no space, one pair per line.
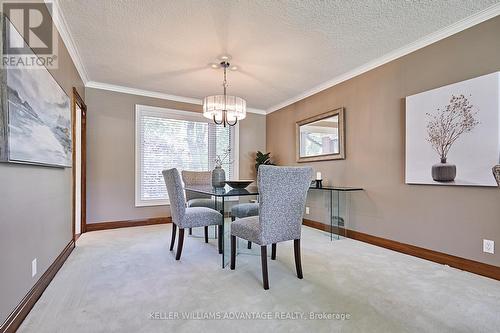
146,110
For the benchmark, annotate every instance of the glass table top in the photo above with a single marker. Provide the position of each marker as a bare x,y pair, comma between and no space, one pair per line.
336,188
226,191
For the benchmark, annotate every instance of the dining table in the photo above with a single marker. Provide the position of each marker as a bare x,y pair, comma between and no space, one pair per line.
222,196
226,196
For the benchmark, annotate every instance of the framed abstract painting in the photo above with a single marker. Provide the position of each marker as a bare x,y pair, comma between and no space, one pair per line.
453,133
35,117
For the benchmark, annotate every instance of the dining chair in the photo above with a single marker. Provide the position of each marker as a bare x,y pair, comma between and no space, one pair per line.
242,210
182,217
194,178
282,199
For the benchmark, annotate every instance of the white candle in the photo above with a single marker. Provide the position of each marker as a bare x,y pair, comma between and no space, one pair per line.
318,175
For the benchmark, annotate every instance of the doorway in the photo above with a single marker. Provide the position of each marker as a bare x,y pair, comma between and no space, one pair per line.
79,112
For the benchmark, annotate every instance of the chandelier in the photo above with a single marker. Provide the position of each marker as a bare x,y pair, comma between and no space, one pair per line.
224,109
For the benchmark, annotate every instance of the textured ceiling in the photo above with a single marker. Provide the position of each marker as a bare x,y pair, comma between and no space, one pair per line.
282,48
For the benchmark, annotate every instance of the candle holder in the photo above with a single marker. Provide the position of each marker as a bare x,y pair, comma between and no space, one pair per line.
319,183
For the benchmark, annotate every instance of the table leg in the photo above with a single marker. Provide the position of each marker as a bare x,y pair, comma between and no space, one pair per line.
338,214
218,227
331,215
222,237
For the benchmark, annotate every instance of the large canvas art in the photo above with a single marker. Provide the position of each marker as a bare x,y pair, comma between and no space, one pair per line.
36,117
453,133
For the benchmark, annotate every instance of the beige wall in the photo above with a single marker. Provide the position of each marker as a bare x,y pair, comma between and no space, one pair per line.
452,220
35,212
110,153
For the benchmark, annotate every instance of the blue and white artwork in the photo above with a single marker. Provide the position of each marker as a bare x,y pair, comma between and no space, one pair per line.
39,118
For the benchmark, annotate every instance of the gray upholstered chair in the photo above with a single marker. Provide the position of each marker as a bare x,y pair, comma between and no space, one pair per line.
496,173
197,199
183,217
282,199
240,211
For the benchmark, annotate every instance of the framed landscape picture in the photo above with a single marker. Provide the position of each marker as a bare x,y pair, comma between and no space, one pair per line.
35,117
453,133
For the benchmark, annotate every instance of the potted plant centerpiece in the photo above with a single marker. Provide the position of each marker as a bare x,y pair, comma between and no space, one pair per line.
218,174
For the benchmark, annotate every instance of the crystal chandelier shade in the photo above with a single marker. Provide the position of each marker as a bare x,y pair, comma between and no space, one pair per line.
214,106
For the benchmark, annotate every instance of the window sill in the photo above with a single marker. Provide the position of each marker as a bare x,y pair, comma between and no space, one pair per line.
152,203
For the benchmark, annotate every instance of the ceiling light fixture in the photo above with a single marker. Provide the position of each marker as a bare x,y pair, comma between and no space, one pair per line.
224,109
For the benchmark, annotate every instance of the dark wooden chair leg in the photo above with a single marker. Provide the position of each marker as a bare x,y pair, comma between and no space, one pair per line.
249,246
298,263
179,244
263,257
206,234
233,252
190,231
220,239
273,251
172,241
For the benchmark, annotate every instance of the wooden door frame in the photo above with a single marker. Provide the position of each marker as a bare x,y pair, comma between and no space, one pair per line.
77,100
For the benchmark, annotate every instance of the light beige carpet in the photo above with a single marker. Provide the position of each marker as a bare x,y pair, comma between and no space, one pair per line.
117,280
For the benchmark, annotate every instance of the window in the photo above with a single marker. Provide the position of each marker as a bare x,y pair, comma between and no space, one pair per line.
184,140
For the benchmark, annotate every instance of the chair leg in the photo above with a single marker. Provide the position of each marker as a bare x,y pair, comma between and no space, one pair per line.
206,234
172,241
273,251
190,231
298,264
220,239
249,246
233,252
179,244
263,257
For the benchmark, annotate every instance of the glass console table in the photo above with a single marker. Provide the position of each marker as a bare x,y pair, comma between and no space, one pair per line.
337,196
223,196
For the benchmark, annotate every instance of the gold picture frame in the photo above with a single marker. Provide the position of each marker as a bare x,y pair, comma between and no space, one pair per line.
340,154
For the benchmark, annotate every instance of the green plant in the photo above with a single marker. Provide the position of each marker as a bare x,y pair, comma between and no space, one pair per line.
261,158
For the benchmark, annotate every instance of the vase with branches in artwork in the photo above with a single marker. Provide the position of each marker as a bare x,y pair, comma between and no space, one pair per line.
496,174
443,130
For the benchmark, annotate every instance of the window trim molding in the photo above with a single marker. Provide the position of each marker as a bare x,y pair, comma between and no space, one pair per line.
180,114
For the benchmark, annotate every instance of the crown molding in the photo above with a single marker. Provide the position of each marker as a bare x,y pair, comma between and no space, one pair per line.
450,30
257,111
153,94
141,92
62,26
